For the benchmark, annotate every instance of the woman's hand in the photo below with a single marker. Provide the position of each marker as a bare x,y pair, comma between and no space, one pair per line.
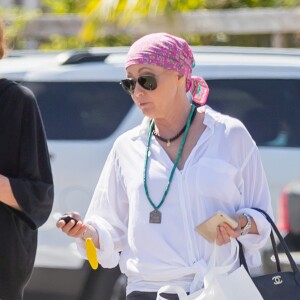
225,231
72,228
77,229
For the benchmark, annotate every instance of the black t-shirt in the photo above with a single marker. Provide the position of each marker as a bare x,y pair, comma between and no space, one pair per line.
24,160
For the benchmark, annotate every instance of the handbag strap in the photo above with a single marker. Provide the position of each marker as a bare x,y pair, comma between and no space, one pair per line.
275,251
282,242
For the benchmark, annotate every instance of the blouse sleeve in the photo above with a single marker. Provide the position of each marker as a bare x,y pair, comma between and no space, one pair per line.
108,213
256,194
33,187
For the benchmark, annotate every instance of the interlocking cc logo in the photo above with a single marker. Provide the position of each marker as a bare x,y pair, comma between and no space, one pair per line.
277,280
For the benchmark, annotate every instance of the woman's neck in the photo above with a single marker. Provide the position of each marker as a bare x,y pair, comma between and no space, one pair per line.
173,121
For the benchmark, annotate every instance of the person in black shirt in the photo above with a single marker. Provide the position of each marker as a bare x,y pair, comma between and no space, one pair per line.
26,184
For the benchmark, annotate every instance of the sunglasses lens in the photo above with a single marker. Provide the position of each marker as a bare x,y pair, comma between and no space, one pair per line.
128,85
147,82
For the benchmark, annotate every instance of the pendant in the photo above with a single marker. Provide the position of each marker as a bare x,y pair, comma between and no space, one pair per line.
168,143
155,217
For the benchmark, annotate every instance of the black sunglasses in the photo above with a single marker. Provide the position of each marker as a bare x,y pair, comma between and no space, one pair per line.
147,82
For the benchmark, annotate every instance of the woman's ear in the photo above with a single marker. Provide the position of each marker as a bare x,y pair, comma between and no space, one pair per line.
181,80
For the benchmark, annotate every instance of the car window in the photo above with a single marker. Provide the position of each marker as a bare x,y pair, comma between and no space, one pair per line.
80,110
269,108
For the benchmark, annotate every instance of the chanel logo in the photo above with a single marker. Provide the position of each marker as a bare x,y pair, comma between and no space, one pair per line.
277,280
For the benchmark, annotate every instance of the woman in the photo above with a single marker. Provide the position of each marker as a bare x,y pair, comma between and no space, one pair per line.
175,170
26,186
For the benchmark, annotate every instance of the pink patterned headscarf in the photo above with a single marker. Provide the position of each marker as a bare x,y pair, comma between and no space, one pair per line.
169,52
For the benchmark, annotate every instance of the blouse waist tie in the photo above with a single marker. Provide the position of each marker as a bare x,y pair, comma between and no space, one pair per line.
199,268
164,278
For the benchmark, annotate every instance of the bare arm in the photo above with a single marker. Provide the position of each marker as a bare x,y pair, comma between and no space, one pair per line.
6,194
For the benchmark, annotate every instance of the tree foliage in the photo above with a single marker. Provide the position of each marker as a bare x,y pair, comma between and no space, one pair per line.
64,6
223,4
15,20
118,13
115,14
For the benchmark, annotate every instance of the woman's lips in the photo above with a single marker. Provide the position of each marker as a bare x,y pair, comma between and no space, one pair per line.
144,104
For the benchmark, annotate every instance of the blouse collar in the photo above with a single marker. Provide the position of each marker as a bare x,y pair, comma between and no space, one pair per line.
210,118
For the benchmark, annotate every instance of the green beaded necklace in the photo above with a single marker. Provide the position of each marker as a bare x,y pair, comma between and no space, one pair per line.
155,215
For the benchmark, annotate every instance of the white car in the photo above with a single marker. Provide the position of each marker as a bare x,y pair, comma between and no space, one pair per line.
84,109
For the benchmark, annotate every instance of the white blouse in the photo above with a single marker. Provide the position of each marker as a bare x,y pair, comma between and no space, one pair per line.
222,173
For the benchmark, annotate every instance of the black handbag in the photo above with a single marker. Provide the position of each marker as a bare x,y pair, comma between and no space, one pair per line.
279,285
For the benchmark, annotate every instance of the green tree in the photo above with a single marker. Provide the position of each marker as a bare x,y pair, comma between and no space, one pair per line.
114,14
221,4
15,20
119,13
104,16
64,6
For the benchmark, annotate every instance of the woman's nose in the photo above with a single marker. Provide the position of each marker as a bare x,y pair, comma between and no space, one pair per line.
138,90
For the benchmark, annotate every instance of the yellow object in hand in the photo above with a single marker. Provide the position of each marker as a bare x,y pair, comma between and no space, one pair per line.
91,253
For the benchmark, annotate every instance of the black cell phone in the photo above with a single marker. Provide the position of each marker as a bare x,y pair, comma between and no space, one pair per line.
67,219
